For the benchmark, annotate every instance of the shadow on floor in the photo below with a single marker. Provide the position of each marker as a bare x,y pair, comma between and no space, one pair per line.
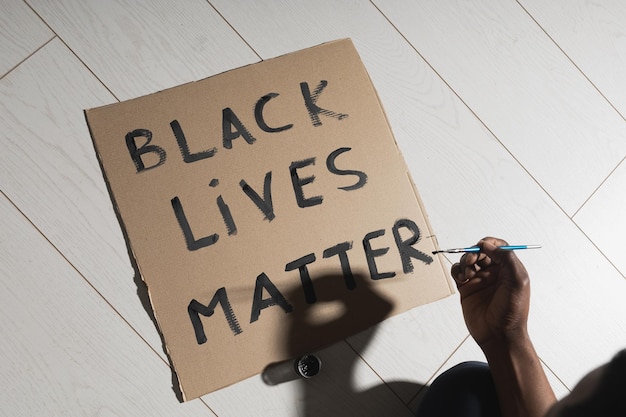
337,389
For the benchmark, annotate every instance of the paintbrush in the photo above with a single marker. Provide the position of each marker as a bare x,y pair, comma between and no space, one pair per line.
477,249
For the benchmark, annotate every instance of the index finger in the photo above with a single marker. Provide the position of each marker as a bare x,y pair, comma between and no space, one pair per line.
489,246
505,258
474,257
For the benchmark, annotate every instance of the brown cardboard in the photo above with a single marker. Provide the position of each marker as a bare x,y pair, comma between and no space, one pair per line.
318,140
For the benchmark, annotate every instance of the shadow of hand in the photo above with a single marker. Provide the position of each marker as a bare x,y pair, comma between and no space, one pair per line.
345,386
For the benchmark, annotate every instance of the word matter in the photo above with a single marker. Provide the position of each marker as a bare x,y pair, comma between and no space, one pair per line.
405,248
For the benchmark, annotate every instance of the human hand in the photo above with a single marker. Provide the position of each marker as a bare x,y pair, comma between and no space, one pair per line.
495,293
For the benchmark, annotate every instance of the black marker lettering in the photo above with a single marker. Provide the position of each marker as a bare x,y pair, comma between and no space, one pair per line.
370,254
405,247
264,204
227,216
224,210
259,303
184,147
135,152
192,243
341,250
310,101
307,284
298,183
258,115
230,119
196,308
330,164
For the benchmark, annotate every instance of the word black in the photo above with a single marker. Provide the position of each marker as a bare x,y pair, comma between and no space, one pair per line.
232,128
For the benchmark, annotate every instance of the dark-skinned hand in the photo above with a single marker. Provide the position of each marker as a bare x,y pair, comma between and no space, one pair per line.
495,293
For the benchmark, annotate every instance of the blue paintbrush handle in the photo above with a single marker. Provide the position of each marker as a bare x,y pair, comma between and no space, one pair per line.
477,249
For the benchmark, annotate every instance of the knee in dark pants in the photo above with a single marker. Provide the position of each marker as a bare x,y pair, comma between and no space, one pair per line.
466,390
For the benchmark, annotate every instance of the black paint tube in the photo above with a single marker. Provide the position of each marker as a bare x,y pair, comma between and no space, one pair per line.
306,366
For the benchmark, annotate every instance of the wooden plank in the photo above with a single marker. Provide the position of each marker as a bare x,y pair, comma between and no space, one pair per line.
522,87
65,352
50,171
470,184
21,33
602,218
593,35
139,47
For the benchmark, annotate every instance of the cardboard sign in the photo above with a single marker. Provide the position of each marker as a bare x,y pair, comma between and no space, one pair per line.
269,211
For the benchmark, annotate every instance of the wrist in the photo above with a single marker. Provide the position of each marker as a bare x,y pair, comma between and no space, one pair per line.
512,341
521,383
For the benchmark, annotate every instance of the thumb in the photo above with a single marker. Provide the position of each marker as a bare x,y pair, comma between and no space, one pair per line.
489,246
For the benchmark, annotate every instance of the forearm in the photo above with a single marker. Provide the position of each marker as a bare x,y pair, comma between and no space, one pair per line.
521,383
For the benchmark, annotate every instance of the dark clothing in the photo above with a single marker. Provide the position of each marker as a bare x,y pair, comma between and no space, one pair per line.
466,390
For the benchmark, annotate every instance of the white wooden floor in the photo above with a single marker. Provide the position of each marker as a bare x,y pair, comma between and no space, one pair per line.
510,114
